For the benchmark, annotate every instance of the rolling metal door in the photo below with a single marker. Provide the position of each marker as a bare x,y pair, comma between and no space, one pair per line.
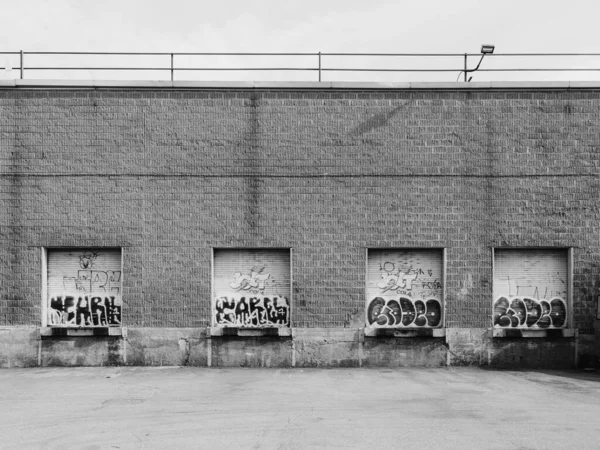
405,288
84,288
530,288
251,288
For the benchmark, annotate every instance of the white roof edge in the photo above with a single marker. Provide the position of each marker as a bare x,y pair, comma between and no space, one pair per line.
368,85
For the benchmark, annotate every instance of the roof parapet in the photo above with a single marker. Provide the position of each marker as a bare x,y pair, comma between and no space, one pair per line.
294,85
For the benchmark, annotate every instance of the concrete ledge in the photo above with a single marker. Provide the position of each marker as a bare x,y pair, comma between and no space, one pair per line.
327,334
404,332
57,332
249,332
394,352
298,85
448,85
326,347
369,85
292,84
530,84
525,333
158,84
166,347
304,347
60,83
206,84
583,84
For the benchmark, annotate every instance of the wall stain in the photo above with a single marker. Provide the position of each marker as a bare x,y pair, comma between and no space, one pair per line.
251,166
376,121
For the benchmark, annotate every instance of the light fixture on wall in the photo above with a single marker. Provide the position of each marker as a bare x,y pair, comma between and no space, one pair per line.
486,49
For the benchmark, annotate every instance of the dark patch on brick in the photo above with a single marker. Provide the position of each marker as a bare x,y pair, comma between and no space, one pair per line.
252,161
378,120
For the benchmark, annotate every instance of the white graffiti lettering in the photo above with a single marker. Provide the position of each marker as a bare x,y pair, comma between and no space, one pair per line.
94,281
255,281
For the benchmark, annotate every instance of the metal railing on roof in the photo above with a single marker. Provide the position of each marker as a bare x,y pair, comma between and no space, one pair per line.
319,63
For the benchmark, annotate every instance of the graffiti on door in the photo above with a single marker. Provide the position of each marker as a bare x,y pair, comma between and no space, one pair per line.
252,297
527,312
404,312
88,296
405,295
254,281
535,301
255,311
84,311
94,281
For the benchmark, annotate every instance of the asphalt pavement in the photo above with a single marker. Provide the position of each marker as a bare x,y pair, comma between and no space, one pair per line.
240,408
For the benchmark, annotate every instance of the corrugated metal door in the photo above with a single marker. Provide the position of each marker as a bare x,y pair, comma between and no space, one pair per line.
530,288
84,287
251,288
405,288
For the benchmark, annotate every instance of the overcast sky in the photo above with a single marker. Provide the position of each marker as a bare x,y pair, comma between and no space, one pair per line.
415,26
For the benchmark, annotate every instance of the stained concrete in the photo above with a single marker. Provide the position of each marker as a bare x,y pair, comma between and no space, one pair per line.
311,347
326,347
19,347
404,352
178,408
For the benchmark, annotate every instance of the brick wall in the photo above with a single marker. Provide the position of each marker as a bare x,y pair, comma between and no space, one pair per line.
169,174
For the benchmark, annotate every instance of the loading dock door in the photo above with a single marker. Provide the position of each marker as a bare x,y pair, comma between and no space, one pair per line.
530,288
405,288
251,288
83,288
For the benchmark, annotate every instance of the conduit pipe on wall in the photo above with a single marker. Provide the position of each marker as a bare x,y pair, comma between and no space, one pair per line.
208,348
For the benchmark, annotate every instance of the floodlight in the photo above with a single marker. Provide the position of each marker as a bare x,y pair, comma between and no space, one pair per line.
485,50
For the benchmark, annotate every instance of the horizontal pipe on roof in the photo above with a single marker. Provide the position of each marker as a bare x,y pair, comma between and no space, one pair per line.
298,54
331,69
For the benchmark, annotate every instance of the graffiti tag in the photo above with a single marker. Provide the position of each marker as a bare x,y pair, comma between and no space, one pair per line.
94,281
527,312
87,310
87,258
401,280
404,312
405,282
252,311
253,282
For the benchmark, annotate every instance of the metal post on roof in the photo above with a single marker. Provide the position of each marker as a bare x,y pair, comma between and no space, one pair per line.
465,71
172,74
485,50
21,65
319,66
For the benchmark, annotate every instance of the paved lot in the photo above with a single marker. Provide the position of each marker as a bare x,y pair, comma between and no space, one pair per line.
147,408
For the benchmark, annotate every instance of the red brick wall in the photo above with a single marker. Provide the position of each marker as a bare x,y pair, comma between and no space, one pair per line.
168,174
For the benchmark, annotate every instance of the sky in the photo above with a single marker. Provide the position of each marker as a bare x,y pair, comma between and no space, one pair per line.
312,26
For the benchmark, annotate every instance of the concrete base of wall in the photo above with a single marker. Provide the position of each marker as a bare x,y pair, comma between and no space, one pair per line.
306,347
19,347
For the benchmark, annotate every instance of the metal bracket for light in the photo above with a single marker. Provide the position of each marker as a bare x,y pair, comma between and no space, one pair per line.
486,49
